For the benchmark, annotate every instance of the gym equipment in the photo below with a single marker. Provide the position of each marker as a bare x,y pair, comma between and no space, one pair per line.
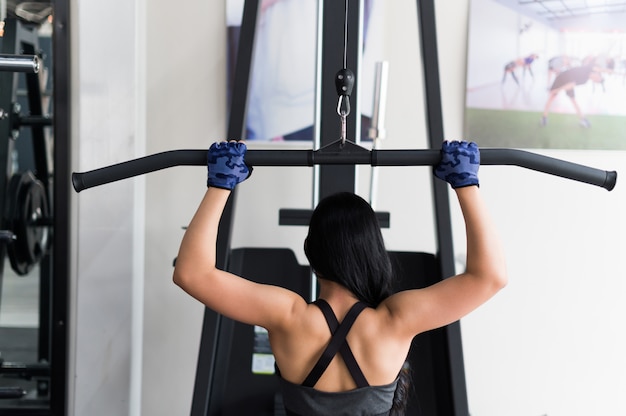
240,360
348,154
377,131
26,196
18,120
46,154
28,217
20,63
12,393
26,213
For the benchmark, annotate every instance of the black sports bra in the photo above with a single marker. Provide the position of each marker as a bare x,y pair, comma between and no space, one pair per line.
365,400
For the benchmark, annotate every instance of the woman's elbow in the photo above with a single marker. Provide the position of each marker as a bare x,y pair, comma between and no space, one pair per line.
184,272
190,278
494,279
181,278
177,278
500,279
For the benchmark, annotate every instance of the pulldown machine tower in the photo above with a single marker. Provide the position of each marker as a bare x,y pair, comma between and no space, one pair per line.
26,188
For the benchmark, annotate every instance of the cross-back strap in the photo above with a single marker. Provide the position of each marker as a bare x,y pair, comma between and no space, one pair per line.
339,344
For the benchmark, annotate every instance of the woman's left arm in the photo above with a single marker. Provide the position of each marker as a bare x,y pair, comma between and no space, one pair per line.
228,294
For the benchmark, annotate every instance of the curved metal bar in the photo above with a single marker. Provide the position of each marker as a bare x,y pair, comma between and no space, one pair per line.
356,156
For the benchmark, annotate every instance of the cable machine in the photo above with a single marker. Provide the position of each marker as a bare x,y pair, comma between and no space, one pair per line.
35,194
25,193
227,383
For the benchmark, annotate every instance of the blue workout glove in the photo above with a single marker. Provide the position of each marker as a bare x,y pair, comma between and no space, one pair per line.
226,165
459,163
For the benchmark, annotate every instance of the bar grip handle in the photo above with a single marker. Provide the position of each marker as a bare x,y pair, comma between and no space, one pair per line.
521,158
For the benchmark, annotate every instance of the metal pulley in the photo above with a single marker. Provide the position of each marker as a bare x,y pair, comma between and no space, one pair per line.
344,83
27,215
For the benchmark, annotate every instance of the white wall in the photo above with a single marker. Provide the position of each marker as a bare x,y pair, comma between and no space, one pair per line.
489,54
489,66
104,133
185,88
551,343
563,239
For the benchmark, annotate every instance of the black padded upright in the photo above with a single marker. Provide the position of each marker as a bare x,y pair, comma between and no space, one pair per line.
244,392
427,355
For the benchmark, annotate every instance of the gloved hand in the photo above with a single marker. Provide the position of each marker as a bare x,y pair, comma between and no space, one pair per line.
459,163
226,166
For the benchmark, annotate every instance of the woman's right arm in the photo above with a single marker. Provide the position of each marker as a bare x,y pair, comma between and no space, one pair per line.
414,311
420,310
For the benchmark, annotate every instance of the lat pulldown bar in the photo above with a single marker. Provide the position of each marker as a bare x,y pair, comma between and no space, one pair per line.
348,154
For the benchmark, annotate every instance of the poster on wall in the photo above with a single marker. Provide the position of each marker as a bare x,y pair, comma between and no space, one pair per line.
281,91
547,74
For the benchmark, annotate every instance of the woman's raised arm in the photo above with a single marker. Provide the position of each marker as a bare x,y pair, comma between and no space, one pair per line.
196,271
415,311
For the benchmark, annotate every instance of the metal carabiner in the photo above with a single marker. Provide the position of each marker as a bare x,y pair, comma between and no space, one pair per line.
344,83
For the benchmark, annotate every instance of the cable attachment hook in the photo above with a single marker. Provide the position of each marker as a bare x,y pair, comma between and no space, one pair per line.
344,83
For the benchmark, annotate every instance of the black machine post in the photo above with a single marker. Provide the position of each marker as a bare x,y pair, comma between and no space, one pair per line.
217,330
450,386
60,292
334,179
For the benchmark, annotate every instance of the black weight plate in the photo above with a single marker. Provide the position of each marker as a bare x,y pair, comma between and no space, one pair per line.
29,208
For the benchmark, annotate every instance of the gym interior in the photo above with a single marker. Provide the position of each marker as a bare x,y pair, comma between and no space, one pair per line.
90,321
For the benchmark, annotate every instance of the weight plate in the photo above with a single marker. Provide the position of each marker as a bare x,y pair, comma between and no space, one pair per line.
28,212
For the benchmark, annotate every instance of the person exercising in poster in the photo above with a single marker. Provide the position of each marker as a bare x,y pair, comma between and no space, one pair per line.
525,62
567,81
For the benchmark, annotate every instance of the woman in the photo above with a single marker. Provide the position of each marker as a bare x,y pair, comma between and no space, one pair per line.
346,251
567,81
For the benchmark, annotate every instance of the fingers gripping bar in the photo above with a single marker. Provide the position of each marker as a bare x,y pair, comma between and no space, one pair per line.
347,156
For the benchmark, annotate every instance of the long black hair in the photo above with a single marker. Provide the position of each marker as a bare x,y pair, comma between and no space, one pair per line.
345,245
